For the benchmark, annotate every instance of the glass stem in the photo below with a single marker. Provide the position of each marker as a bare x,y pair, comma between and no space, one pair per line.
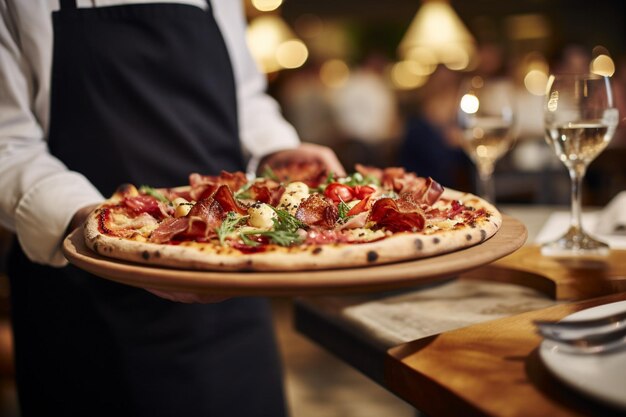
486,186
576,175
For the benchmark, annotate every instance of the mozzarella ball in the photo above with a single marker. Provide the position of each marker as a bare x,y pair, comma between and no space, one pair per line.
294,193
261,216
298,187
181,207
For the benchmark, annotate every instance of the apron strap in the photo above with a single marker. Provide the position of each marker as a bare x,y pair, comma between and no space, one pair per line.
67,4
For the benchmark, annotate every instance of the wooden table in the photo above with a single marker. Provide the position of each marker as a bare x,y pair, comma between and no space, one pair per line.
486,369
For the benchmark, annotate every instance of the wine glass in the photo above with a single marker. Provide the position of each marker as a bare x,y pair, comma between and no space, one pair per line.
580,119
486,118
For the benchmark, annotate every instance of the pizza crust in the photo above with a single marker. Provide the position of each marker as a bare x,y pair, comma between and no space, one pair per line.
398,247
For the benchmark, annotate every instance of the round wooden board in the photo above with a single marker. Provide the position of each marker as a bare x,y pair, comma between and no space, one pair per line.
508,239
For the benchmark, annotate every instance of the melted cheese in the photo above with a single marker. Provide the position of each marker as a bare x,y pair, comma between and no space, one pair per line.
294,194
144,224
261,216
181,207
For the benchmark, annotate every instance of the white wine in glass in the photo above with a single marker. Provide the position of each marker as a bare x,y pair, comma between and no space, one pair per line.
486,118
580,120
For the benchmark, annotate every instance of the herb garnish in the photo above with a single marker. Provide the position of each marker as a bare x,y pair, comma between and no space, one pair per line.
285,231
285,221
228,226
343,209
242,193
279,237
358,179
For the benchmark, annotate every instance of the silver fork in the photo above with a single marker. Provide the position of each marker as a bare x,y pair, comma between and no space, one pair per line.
586,336
590,342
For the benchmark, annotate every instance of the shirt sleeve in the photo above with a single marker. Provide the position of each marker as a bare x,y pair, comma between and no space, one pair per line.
263,130
39,194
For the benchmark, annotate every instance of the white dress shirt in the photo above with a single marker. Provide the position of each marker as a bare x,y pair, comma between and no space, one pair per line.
38,194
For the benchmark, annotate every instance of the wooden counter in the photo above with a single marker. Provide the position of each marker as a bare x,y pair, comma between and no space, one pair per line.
486,369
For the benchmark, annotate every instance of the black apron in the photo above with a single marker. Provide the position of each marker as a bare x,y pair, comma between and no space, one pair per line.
143,94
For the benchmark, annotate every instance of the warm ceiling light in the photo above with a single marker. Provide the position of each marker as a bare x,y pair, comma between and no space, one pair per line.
535,82
405,75
603,65
437,29
273,44
266,5
292,54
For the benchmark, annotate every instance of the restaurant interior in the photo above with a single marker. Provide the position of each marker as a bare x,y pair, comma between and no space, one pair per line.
380,82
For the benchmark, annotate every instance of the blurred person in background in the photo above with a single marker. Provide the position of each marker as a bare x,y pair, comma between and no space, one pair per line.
145,93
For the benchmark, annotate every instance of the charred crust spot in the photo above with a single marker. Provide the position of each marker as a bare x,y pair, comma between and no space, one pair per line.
96,247
419,245
436,240
316,251
372,256
145,255
483,234
468,237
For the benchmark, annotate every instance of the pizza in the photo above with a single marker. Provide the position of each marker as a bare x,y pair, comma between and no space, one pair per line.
292,218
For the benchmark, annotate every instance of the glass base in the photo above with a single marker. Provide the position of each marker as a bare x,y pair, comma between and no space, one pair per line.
575,243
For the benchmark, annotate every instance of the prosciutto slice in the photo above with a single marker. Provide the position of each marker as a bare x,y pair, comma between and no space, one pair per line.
146,204
268,192
403,217
227,201
317,211
168,229
423,190
199,223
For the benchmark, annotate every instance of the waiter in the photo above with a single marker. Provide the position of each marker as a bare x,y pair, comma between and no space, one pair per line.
94,94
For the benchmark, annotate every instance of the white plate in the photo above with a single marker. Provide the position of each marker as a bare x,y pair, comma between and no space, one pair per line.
600,376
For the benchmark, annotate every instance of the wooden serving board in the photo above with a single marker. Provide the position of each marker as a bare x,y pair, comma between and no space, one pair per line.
509,238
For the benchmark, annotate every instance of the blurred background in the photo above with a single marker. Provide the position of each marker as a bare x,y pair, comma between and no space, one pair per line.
379,82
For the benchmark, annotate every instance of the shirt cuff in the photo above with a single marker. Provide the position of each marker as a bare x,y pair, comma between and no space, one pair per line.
45,211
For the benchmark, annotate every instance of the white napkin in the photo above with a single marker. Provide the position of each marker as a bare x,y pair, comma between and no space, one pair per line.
612,219
607,225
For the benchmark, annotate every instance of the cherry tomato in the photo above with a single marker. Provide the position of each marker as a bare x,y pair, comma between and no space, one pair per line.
339,192
362,191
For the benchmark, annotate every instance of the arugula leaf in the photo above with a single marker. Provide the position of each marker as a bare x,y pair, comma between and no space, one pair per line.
228,226
358,179
285,232
343,209
146,189
246,240
284,221
279,237
242,193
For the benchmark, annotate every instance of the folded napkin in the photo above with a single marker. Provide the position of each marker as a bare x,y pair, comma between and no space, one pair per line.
607,225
